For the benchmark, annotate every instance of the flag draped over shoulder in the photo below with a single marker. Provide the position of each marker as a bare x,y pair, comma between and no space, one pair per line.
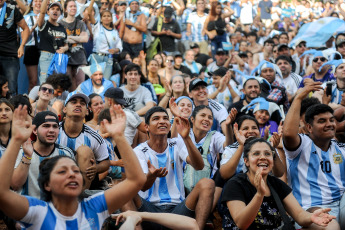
318,32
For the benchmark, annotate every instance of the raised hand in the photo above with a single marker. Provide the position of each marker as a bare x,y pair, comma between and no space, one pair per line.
167,87
321,217
232,116
21,124
239,136
183,126
326,99
118,121
275,140
259,183
280,128
309,87
174,109
266,131
28,148
92,170
161,172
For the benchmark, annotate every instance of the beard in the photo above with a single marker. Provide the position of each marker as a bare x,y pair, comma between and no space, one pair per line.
44,142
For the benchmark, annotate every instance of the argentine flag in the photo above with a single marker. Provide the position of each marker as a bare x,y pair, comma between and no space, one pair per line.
318,32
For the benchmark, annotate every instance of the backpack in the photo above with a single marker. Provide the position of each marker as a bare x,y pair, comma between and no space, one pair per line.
192,176
156,44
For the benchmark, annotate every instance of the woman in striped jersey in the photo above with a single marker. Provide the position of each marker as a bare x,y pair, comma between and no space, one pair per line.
61,183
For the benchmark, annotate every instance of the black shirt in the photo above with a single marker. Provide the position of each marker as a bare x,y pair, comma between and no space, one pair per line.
48,33
184,69
168,43
202,59
240,188
8,32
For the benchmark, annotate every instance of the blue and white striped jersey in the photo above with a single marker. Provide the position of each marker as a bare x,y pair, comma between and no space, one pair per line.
229,152
316,177
336,93
219,114
104,39
91,214
88,137
168,189
31,188
197,24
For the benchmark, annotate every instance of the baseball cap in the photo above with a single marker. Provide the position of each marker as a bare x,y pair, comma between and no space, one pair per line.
116,94
178,54
194,45
75,94
55,4
40,118
299,41
220,50
168,12
280,46
122,3
196,82
221,71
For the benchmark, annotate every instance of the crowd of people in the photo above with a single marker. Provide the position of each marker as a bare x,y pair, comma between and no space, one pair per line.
170,111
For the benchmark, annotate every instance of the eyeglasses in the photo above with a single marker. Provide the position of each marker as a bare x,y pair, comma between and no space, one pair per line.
104,3
301,45
45,89
169,61
323,59
341,45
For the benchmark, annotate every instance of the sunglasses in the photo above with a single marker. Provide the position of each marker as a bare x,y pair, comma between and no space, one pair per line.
341,45
45,89
301,45
104,3
169,61
323,59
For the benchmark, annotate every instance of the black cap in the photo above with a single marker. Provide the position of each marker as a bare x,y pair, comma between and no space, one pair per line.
196,82
221,71
280,46
124,62
116,94
220,50
178,54
122,3
194,45
168,12
40,118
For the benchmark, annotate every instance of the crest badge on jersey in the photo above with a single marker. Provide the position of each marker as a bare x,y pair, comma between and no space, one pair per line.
337,158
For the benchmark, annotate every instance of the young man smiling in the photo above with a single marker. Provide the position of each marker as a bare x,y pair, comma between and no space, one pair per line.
30,156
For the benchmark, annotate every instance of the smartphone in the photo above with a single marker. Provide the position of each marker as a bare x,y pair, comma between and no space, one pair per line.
329,89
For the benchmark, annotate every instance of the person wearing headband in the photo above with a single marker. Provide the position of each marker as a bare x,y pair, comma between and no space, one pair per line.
26,170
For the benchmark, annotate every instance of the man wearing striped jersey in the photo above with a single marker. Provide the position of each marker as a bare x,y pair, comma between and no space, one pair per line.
291,81
195,24
198,92
337,86
30,156
162,159
315,162
75,134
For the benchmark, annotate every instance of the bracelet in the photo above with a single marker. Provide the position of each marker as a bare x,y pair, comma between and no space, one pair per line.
25,163
29,158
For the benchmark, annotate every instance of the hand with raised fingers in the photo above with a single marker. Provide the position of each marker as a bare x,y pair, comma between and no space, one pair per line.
266,131
161,172
321,217
259,182
118,121
21,124
241,139
232,117
92,170
308,88
275,140
28,149
174,109
183,126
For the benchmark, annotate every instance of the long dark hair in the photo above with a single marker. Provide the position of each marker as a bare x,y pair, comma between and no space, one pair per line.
3,81
107,11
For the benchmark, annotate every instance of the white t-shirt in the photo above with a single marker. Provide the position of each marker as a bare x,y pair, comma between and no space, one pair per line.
291,83
168,189
197,24
316,177
105,39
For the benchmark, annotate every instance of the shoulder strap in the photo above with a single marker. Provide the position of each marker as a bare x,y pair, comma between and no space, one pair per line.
75,27
287,222
106,38
205,148
35,33
160,24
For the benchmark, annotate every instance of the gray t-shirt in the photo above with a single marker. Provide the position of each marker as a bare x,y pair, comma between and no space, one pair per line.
132,122
137,99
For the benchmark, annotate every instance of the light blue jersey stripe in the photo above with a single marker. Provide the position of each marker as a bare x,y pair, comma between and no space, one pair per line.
172,161
87,141
49,221
295,183
163,191
71,143
330,179
312,178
